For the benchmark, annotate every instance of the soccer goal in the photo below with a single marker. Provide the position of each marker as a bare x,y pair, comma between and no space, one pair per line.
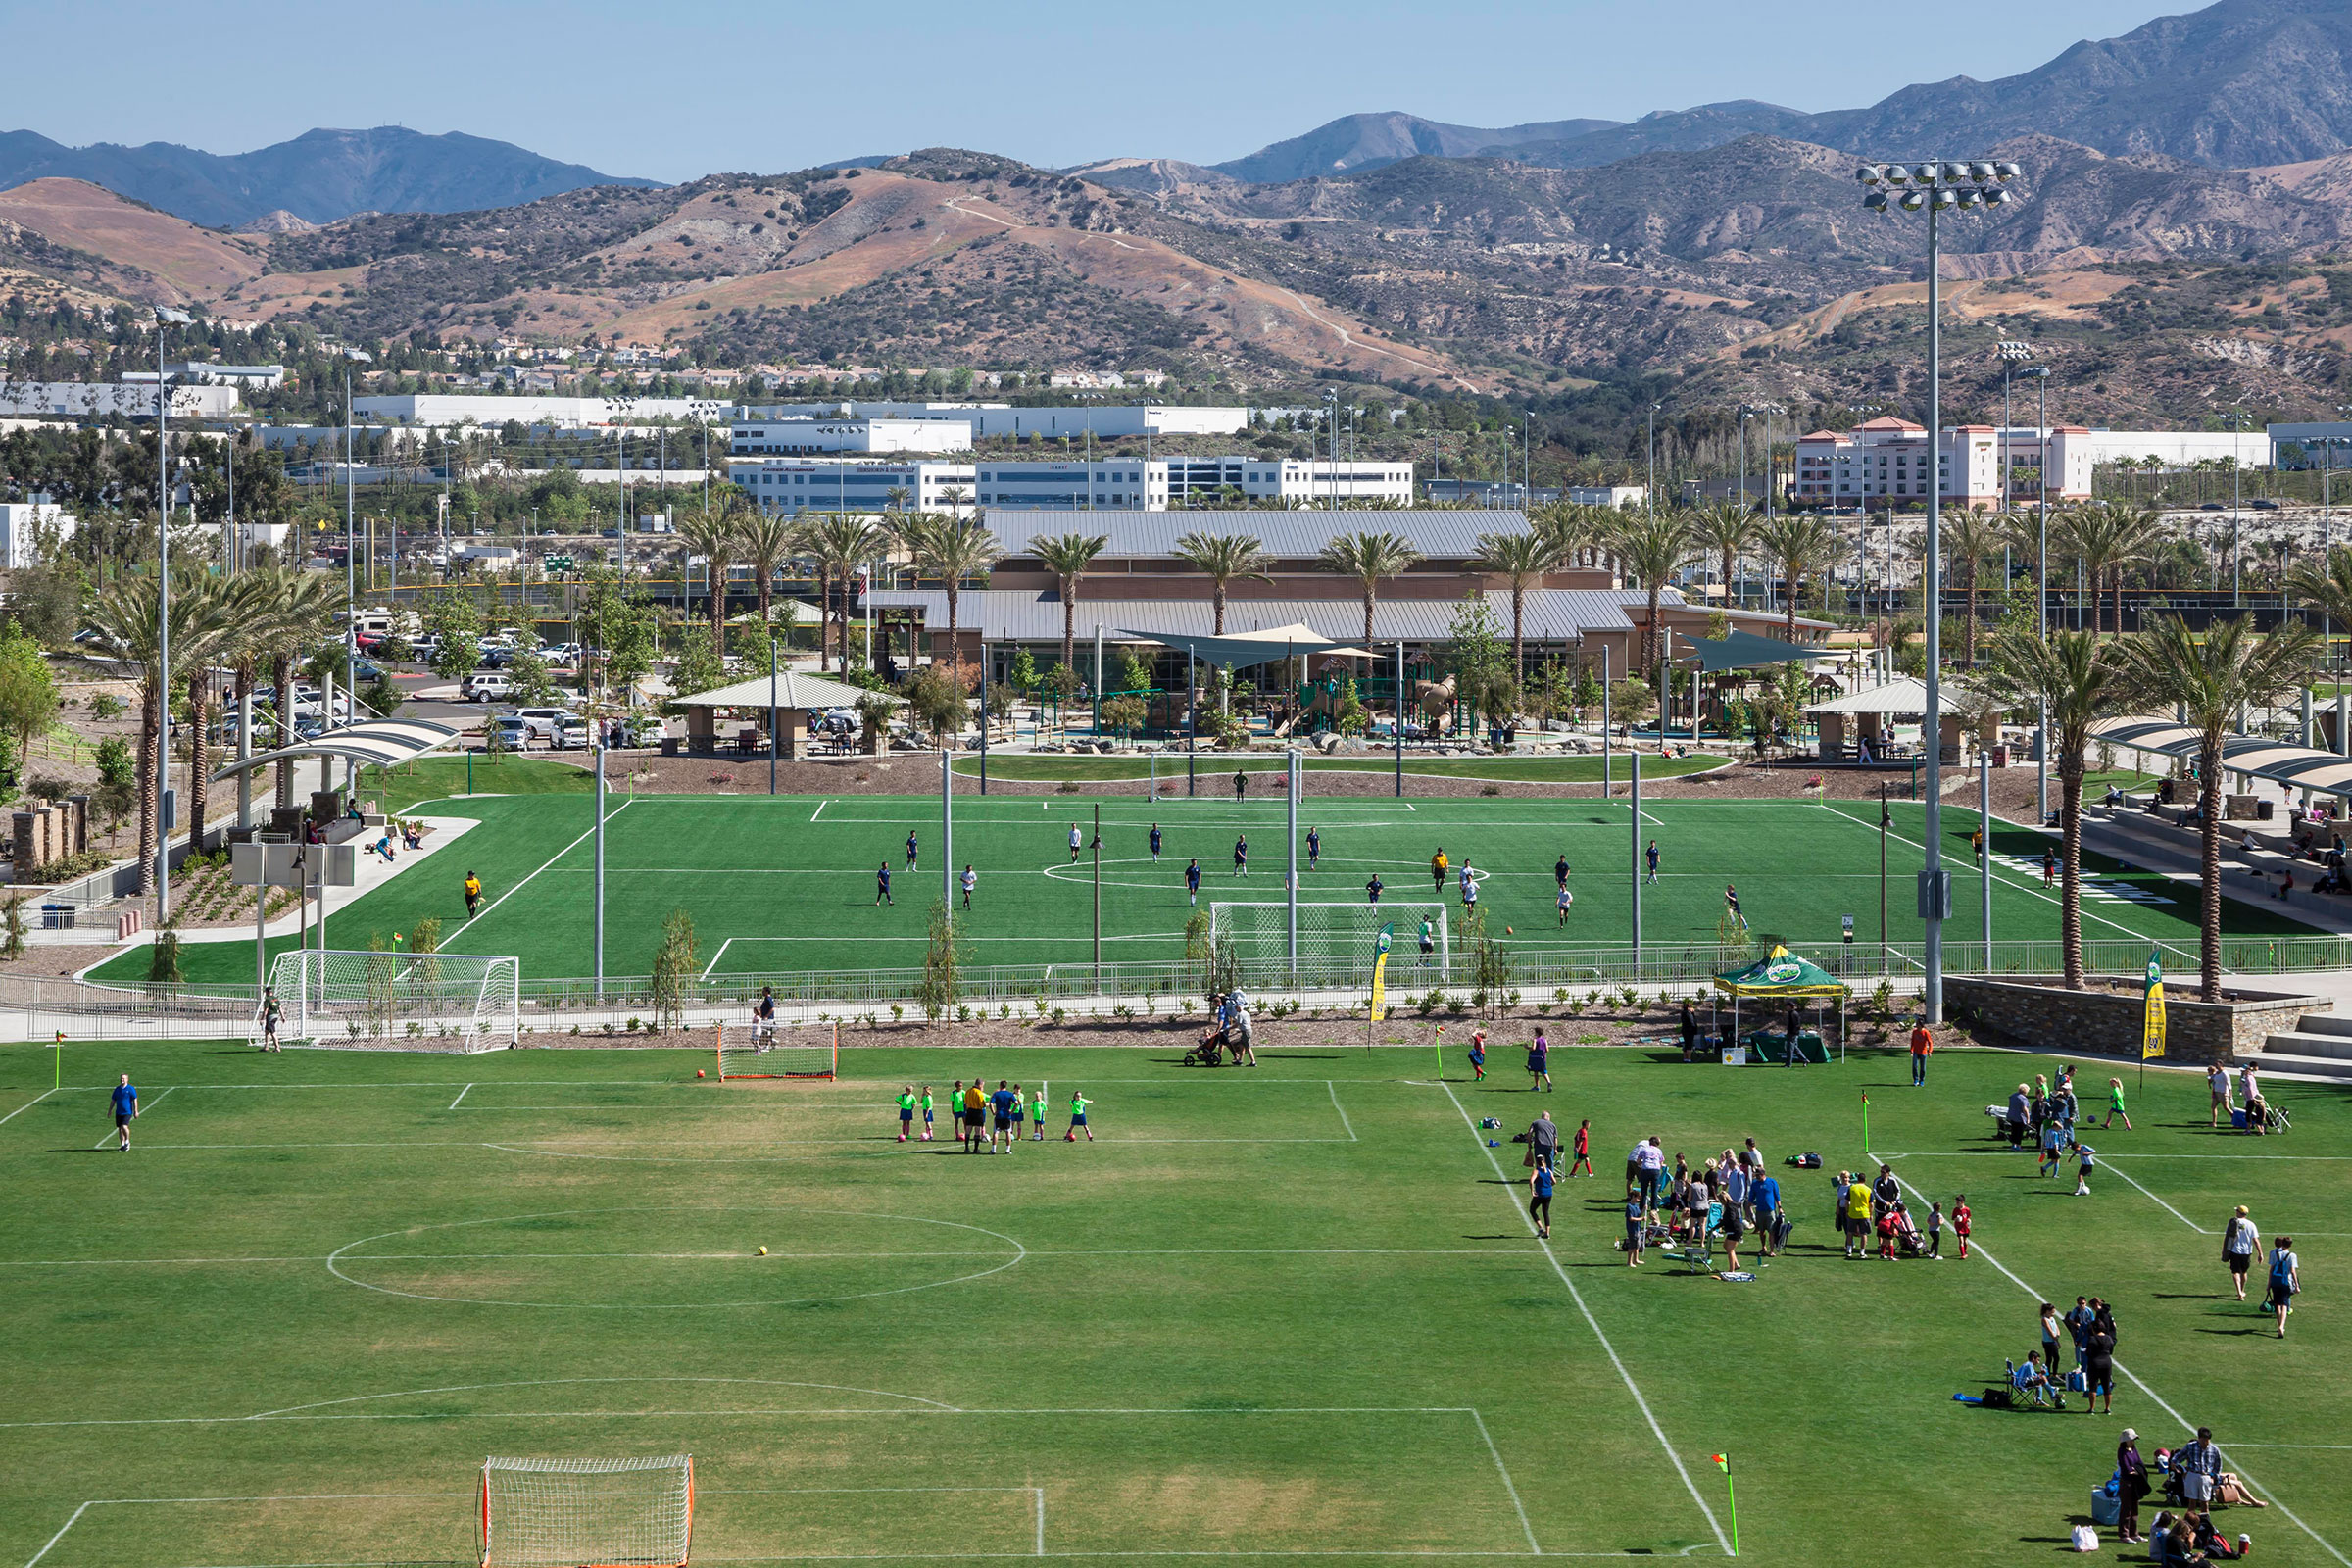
587,1513
746,1050
455,1000
1337,942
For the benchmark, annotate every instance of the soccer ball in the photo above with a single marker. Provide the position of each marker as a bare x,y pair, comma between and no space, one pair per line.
1510,931
764,1252
698,1072
1071,1137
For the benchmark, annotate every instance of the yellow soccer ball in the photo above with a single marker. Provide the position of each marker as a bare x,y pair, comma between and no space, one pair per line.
764,1252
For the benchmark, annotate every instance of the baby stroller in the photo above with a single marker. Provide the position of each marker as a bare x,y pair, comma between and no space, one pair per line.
1208,1051
1907,1240
2275,1119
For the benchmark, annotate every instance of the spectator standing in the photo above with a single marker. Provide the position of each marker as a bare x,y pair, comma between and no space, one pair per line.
2078,1326
2131,1485
2019,1110
1922,1043
2216,1084
1544,1141
2051,1331
2200,1467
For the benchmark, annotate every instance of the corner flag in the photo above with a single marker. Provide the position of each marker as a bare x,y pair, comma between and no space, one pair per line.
2151,1035
1380,970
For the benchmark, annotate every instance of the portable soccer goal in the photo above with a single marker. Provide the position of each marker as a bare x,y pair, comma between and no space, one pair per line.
458,1001
748,1050
587,1513
1337,942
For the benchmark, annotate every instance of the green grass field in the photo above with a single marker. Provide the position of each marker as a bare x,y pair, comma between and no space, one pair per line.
787,883
1295,1312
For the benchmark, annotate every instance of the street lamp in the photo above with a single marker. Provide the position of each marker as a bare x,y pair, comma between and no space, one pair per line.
1649,492
164,318
2238,526
1935,187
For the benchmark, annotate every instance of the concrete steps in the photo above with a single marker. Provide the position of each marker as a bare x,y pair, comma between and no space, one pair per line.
2320,1046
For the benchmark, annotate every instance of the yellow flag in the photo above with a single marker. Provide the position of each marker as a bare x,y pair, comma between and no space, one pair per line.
2151,1035
1379,973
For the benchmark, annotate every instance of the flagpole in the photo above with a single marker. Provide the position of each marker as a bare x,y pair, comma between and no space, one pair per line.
1723,1462
1866,1121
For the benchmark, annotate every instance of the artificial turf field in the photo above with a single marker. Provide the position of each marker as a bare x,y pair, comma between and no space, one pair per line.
787,882
1296,1311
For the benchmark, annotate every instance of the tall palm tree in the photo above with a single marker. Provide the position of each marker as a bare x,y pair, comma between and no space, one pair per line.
2209,677
2139,537
1728,529
766,540
1067,556
710,532
2105,537
301,605
1970,537
1519,558
123,623
1654,547
839,541
2325,585
2070,678
954,548
1223,559
1369,558
1803,544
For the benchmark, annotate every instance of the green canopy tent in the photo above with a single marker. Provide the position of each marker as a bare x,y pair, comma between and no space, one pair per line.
1782,976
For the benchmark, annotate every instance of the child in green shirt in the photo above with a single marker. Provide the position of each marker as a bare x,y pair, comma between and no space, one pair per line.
1078,1105
926,1104
905,1110
1037,1114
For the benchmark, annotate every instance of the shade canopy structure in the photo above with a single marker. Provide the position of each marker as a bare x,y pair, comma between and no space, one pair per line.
1240,650
2281,761
787,688
1744,650
1905,693
377,742
1782,974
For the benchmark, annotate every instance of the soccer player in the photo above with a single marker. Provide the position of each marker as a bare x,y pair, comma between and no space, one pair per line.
1077,843
926,1105
1192,882
1315,847
1731,901
956,1106
1437,871
1477,1054
1007,1104
971,880
273,1009
474,895
1559,869
2049,868
1078,1105
1960,1221
1583,1148
1155,844
1469,886
1429,939
2115,1104
1539,1205
911,844
1036,1115
1538,1062
882,885
1651,855
125,1101
975,1118
1976,842
764,1015
905,1110
1241,856
2083,1154
1241,784
1373,887
1564,901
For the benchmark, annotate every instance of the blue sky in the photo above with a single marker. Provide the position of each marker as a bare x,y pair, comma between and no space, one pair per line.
671,92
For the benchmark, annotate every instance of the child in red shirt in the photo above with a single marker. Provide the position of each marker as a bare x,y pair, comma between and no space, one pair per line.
1583,1148
1960,1221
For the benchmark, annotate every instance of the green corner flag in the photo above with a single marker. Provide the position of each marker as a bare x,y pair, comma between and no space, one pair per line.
1723,1462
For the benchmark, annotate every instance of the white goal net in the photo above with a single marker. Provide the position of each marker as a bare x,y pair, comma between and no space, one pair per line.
753,1051
454,1001
587,1513
1337,942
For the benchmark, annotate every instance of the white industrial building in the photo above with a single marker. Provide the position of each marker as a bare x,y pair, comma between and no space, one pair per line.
989,420
450,408
864,433
193,373
1884,461
25,526
94,400
1607,494
818,484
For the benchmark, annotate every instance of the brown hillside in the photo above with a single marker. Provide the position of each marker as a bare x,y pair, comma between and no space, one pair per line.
180,261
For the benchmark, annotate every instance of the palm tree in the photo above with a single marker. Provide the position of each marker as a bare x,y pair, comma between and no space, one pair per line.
766,540
2325,585
1519,558
1803,546
840,540
1654,547
711,534
2209,677
1067,556
2139,537
1971,536
1728,529
2106,536
123,623
2068,677
301,605
954,548
1223,559
1369,558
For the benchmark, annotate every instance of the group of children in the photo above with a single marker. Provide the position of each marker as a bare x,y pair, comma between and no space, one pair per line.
2051,1112
996,1119
1865,1208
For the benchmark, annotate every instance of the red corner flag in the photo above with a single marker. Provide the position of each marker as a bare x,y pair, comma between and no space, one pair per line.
1721,1463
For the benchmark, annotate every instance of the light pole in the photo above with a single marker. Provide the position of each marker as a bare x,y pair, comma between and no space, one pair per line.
164,318
2237,425
1933,188
351,603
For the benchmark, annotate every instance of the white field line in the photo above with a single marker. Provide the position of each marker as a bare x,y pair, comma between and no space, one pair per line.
143,1111
462,1094
1594,1323
1504,1471
2161,1203
2158,1399
28,1105
550,860
2327,1447
821,810
71,1520
1041,1519
1342,1110
1972,1153
712,966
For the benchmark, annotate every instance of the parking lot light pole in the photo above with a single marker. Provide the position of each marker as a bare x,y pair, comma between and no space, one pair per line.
164,318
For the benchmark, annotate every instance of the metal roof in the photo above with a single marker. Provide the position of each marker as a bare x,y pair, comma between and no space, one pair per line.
2298,766
1440,534
1021,615
790,688
380,742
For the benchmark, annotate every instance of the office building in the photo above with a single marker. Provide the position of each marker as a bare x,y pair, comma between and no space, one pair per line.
794,485
992,421
450,408
95,400
863,433
1178,483
27,527
1883,463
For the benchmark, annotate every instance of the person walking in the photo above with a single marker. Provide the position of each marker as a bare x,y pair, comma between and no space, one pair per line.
2286,1278
1922,1045
1962,1219
126,1102
1690,1027
2240,1241
1539,1183
1583,1148
1539,1061
2131,1486
1543,1140
2216,1084
2115,1104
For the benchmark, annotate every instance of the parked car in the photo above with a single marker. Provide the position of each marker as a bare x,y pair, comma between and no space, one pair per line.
512,733
367,670
544,720
2211,506
2264,504
496,657
571,732
487,686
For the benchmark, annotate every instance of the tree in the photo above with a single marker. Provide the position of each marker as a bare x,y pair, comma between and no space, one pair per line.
1970,537
839,541
766,540
2208,676
28,700
1519,558
1728,529
1223,559
2073,683
675,964
453,618
1803,546
711,533
1066,557
701,667
1653,547
1125,714
1022,672
526,669
2325,585
1370,558
122,624
952,549
941,987
301,605
1480,664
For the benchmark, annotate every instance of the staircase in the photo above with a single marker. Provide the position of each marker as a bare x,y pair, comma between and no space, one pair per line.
2320,1046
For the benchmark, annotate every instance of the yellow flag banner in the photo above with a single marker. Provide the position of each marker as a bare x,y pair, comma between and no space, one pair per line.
2151,1034
1379,973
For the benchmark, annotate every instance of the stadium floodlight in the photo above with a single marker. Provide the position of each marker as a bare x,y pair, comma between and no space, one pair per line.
1936,186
